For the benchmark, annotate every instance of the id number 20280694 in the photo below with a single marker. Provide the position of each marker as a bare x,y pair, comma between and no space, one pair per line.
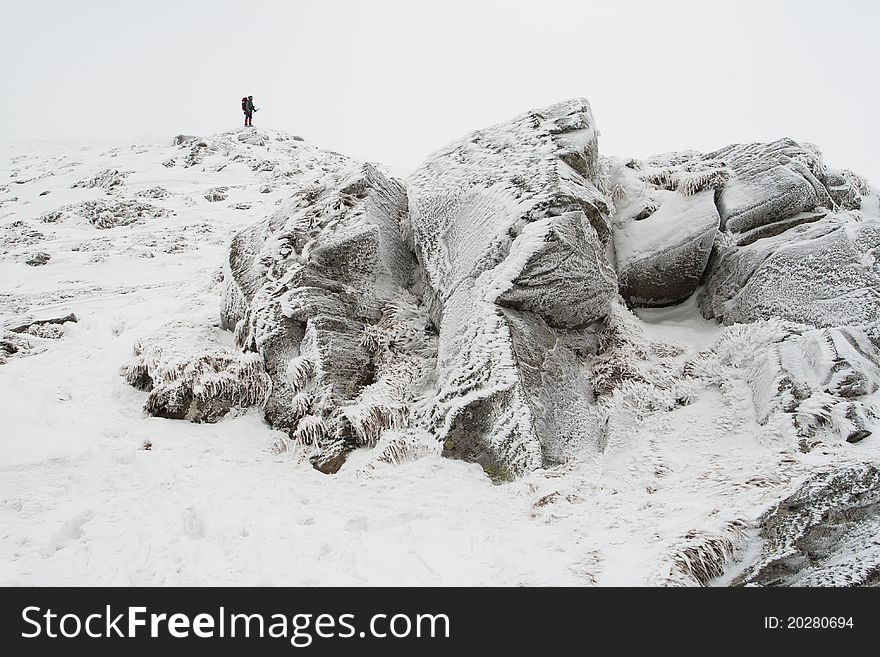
808,622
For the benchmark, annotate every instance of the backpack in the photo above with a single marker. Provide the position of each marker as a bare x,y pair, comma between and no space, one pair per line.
244,104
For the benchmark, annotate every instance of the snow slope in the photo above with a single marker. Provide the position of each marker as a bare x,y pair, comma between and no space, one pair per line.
93,492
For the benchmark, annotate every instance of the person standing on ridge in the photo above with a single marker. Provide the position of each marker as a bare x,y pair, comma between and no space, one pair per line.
247,106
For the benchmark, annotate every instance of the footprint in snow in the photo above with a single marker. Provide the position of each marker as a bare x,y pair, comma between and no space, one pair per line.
70,532
193,525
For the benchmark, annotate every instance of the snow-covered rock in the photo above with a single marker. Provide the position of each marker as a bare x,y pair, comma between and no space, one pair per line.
473,312
665,225
103,214
772,182
511,233
823,534
216,194
17,234
824,273
795,240
304,285
191,375
806,383
105,179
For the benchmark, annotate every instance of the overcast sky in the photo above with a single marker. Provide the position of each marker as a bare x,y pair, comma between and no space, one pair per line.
394,80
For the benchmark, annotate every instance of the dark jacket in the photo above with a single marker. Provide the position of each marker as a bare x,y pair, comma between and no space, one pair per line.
248,106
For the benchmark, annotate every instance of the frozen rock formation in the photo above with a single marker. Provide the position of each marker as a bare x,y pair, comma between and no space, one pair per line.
665,226
511,233
794,244
105,179
805,383
824,534
662,257
191,375
304,285
106,214
823,273
475,307
788,237
770,183
497,307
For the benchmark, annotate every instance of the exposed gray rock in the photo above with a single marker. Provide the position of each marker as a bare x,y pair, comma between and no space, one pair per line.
25,328
108,180
37,259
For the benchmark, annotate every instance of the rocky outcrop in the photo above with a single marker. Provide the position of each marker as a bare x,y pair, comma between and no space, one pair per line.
662,254
824,534
216,194
107,180
28,326
809,384
191,375
157,192
822,273
37,259
475,307
511,232
795,244
103,214
665,224
783,229
771,182
302,288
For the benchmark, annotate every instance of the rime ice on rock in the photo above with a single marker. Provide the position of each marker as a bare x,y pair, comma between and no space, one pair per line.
821,273
304,285
806,383
108,180
788,236
665,225
823,534
191,376
505,243
511,233
795,244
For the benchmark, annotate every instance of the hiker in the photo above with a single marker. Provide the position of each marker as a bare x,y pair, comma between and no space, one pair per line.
247,106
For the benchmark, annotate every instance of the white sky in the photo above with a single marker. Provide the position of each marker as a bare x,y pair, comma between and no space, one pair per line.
394,80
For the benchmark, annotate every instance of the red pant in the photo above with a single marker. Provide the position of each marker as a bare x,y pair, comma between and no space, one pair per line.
247,119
